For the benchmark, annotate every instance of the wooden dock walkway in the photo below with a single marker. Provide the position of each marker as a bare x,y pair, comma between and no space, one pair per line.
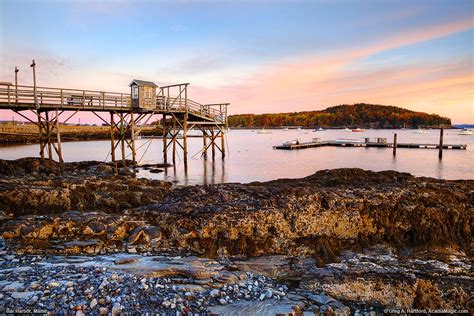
349,143
124,113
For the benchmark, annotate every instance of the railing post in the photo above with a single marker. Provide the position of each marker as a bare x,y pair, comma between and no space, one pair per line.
8,89
62,98
83,98
121,99
16,84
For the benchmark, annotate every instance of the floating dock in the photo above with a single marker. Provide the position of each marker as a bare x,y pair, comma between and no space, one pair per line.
353,143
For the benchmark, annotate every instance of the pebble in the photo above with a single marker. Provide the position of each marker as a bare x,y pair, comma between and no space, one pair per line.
98,290
93,303
116,309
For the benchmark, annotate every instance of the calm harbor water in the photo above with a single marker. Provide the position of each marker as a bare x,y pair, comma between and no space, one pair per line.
251,157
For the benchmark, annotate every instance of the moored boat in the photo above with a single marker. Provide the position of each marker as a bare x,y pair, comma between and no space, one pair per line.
291,142
263,131
421,131
358,130
466,131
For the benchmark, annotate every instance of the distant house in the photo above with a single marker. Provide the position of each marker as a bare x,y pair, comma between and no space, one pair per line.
143,94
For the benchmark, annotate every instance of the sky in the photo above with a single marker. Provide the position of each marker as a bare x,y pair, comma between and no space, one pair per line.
261,56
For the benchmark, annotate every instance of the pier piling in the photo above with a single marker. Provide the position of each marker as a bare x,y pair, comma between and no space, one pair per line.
441,135
395,144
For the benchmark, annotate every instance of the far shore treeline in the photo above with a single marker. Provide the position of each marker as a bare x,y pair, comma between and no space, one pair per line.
356,115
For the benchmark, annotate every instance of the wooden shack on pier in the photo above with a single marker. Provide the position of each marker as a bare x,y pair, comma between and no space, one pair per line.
143,94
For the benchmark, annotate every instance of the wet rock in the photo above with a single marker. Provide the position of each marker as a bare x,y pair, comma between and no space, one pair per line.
14,286
156,170
125,171
144,235
105,168
126,260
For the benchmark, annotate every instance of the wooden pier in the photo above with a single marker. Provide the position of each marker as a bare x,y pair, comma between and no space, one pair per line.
350,143
125,114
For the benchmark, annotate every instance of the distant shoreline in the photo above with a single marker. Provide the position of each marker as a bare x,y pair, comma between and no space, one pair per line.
28,133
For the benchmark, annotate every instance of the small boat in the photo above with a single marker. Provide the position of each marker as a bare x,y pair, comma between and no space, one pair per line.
358,130
421,131
291,142
263,131
466,131
346,130
319,130
285,129
298,129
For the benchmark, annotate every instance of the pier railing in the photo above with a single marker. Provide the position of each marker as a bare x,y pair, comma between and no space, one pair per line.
216,112
63,98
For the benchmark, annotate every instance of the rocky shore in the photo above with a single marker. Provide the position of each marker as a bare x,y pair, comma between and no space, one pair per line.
343,241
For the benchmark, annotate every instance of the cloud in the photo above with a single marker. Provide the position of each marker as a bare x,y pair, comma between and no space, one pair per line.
314,82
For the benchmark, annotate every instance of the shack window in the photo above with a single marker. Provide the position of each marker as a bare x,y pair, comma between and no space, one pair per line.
135,92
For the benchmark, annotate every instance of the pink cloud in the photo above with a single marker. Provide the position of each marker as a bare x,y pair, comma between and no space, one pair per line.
312,82
315,82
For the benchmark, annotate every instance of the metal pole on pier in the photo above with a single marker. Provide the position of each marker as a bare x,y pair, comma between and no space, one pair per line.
395,144
33,65
441,134
16,83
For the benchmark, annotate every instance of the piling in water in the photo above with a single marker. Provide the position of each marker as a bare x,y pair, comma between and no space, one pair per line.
441,134
395,144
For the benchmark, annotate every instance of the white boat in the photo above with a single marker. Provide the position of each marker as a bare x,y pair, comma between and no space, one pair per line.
466,131
291,142
263,131
298,129
319,130
347,130
285,129
421,131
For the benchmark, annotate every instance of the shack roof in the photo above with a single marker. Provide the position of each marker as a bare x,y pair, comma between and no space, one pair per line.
142,83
